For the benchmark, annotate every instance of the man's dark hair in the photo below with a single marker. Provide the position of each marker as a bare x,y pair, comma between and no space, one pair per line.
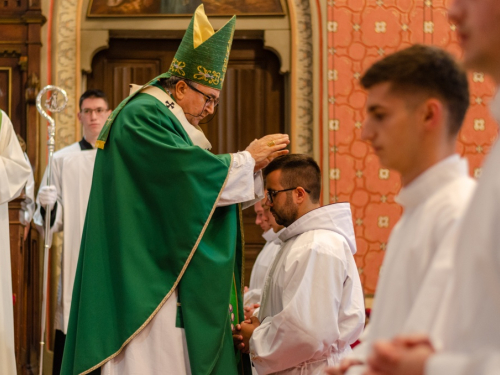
297,170
170,82
426,70
93,93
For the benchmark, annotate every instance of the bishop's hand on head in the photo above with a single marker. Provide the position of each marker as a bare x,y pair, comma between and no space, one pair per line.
267,148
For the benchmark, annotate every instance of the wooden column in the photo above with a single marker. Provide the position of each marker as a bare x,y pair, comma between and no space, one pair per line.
20,45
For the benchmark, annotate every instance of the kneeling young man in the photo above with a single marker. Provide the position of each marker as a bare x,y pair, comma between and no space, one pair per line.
312,305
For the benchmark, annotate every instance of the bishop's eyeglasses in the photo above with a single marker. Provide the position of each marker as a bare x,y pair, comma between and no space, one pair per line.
271,194
208,99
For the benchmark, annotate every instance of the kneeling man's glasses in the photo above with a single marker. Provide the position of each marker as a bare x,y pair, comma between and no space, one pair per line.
272,193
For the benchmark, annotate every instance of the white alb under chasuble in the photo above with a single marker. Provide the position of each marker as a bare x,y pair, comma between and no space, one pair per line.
14,172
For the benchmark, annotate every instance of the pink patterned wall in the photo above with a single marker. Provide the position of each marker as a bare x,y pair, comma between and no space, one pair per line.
359,32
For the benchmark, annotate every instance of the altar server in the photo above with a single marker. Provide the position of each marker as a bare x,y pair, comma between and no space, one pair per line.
68,196
264,259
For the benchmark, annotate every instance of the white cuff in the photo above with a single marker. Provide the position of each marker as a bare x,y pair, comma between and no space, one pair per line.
242,186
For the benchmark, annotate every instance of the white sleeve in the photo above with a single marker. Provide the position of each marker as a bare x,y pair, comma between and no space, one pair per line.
26,215
361,352
56,181
14,169
482,362
308,324
243,185
252,296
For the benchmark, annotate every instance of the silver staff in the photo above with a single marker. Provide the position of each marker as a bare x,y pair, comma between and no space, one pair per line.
53,104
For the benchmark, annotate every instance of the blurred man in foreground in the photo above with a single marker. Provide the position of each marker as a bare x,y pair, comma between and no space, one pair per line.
469,340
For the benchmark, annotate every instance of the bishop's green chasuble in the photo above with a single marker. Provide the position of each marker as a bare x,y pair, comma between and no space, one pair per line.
152,225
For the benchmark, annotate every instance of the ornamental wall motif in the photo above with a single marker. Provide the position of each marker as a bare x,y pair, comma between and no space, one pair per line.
360,33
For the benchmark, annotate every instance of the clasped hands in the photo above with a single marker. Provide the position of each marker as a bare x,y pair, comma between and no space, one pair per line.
243,332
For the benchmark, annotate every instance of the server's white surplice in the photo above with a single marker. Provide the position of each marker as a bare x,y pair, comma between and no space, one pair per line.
432,203
261,266
14,172
312,304
72,170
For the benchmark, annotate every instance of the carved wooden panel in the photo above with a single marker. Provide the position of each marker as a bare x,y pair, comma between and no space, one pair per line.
10,100
5,89
13,5
251,105
25,268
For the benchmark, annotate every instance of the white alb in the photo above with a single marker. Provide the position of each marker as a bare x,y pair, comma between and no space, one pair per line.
312,303
261,266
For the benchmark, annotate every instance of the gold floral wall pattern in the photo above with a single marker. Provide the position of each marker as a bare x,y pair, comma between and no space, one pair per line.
65,70
359,32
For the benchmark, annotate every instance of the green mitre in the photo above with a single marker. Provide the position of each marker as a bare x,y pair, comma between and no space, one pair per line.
202,57
203,54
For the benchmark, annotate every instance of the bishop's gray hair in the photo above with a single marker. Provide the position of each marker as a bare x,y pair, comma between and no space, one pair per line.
171,82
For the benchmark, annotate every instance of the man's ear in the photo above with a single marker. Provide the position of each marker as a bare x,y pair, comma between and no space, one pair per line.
300,194
432,114
180,90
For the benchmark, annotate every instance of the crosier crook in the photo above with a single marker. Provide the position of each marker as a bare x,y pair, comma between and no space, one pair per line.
53,104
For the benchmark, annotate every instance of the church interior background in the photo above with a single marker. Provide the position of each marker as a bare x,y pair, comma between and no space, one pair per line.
295,71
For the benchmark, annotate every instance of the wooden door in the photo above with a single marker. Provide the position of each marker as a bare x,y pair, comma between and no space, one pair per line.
251,106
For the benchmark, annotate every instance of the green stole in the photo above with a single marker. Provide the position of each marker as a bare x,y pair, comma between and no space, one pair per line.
152,225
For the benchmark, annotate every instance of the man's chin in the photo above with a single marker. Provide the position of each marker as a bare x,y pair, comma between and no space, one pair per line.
194,121
279,220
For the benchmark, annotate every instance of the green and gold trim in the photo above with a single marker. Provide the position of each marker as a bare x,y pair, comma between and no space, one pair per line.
209,76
